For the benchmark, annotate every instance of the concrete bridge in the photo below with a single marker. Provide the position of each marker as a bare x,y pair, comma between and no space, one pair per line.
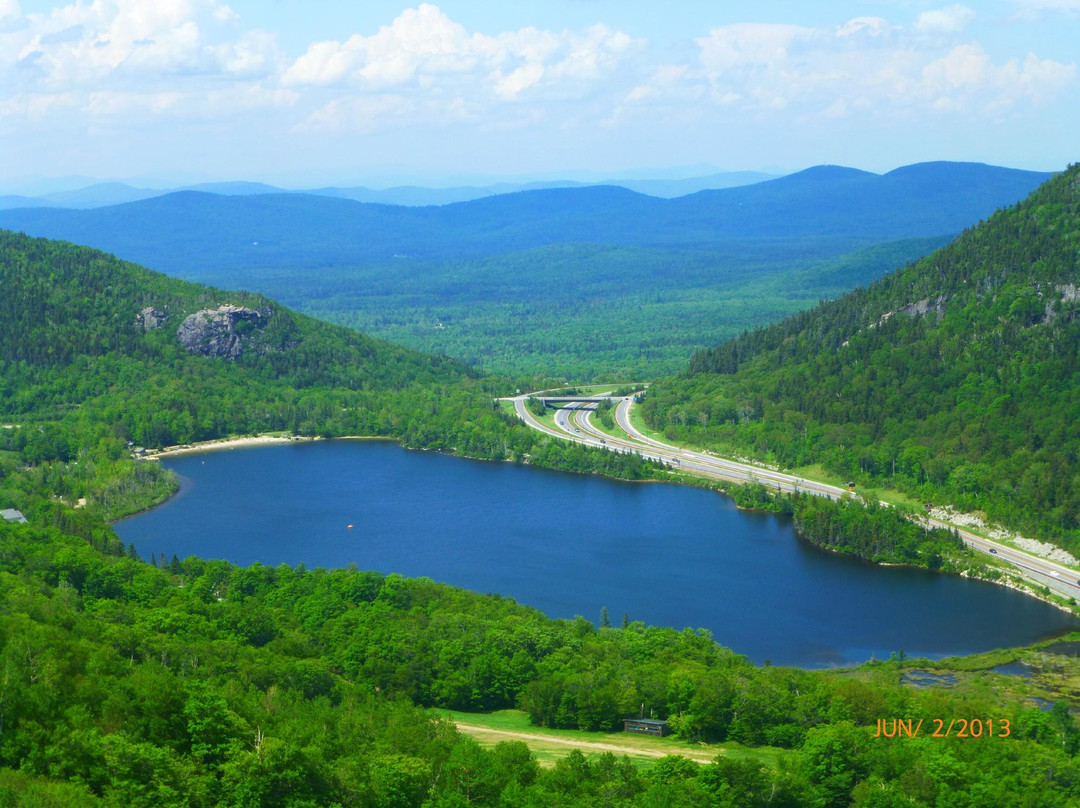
555,400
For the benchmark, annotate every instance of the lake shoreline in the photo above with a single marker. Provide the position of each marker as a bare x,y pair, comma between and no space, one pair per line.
393,498
252,441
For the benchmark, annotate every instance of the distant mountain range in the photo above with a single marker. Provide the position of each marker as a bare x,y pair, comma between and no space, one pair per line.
98,195
199,230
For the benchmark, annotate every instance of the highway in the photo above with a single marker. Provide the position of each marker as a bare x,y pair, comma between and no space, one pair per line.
574,423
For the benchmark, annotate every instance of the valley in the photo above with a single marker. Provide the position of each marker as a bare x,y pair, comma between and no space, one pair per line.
104,359
539,405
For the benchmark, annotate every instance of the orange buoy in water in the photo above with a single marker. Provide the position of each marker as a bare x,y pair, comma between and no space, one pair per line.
350,527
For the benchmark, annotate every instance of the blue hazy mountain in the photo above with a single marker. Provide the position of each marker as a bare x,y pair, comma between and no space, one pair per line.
103,194
9,201
414,195
99,195
187,230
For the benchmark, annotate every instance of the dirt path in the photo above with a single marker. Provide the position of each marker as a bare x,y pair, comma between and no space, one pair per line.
478,731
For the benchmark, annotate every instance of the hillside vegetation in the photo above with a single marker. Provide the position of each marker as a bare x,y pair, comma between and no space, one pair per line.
956,379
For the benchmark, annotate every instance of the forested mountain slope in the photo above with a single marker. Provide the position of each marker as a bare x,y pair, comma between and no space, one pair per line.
77,320
956,378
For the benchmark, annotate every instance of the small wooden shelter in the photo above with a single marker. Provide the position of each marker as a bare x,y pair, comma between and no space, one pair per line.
646,726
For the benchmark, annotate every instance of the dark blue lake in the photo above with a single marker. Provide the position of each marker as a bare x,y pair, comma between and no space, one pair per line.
570,545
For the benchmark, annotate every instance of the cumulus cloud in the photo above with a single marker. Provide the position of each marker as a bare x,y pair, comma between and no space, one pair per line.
111,58
865,66
863,26
421,40
424,49
162,37
950,20
749,45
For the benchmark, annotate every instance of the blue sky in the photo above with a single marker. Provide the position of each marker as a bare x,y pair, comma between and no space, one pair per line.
329,91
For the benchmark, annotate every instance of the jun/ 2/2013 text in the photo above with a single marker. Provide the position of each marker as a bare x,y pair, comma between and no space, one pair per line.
938,728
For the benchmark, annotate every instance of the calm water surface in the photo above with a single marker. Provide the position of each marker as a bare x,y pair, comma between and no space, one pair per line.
570,544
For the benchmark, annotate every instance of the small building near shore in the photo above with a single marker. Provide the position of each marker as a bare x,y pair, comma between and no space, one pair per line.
646,726
12,515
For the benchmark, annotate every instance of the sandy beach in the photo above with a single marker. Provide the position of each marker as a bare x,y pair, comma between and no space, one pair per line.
217,445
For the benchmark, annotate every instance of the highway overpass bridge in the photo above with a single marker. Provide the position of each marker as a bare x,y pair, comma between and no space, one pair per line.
556,400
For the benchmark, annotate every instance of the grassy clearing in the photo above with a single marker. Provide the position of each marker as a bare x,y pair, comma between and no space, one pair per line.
817,473
640,425
548,419
897,499
550,745
613,431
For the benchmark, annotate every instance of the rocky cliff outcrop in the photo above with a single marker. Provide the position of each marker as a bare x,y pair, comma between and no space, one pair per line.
150,319
225,331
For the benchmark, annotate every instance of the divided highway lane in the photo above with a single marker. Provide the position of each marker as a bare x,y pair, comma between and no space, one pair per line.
729,469
675,458
1057,577
574,424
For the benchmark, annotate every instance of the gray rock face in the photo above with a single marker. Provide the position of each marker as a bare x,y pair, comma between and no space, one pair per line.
921,307
223,331
150,318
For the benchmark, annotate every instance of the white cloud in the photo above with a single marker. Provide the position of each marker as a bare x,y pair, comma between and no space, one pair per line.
110,58
963,66
121,58
866,66
87,44
1036,78
255,53
9,8
752,45
423,49
1035,11
521,79
863,26
665,81
949,20
225,14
